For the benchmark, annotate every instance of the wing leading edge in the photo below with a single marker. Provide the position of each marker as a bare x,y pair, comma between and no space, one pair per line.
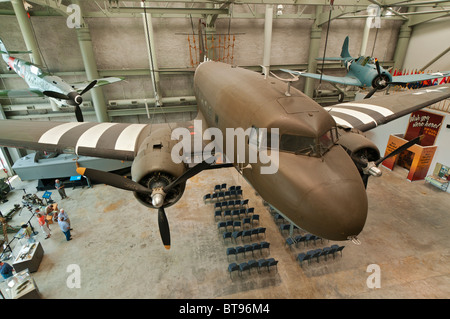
369,113
419,77
346,80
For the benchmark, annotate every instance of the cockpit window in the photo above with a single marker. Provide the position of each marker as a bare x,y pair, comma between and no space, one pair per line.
296,144
301,145
35,70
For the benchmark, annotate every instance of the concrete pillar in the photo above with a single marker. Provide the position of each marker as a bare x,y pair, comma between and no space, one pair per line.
150,40
402,45
27,31
87,53
314,46
210,31
365,37
268,19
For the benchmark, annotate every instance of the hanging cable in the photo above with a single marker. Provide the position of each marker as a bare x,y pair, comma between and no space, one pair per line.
38,46
152,65
326,40
149,43
374,42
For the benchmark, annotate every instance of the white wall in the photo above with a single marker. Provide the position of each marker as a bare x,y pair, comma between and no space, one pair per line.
442,154
427,41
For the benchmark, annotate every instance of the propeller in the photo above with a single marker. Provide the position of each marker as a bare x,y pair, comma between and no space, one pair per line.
56,95
74,98
158,194
371,168
113,180
377,85
400,149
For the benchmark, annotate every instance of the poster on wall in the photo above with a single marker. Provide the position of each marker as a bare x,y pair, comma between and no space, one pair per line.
424,123
420,157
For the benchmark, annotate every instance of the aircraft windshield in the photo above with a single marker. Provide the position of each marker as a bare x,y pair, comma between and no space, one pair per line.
35,70
366,60
301,145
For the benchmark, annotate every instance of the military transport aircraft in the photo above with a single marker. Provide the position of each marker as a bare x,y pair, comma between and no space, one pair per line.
321,153
365,71
45,84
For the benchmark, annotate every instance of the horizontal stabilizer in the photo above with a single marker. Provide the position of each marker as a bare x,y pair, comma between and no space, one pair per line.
332,59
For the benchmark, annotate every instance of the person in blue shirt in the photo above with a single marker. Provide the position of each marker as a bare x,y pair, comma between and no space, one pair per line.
63,214
65,227
6,270
60,187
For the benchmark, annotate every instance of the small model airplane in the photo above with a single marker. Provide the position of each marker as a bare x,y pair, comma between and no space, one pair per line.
321,156
43,84
365,71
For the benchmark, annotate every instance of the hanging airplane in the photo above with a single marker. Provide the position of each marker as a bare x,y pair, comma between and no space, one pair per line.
43,84
322,158
365,71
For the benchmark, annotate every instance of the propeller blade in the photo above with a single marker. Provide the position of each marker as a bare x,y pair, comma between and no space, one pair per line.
78,113
90,86
164,230
188,174
56,95
365,179
372,92
377,64
400,149
113,180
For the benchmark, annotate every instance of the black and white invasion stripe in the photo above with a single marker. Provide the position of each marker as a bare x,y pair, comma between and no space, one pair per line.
357,115
112,140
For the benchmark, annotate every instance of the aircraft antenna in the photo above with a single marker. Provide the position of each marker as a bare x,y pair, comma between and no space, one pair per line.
288,81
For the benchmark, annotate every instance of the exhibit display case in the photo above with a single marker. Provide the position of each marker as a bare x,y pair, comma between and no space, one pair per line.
20,286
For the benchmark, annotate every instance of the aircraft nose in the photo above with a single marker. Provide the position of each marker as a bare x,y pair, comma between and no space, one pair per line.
78,99
340,209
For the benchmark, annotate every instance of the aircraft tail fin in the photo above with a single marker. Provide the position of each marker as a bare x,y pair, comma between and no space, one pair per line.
344,53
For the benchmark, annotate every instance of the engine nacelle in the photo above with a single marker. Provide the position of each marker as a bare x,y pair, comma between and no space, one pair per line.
154,168
359,146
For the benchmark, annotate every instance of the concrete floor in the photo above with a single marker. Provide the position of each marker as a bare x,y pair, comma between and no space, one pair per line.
117,247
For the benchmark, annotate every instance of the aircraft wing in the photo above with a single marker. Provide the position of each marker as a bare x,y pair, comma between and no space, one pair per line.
369,113
119,141
419,77
79,86
105,140
13,94
346,80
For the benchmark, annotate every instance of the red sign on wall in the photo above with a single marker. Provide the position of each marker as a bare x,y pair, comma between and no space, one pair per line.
424,123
